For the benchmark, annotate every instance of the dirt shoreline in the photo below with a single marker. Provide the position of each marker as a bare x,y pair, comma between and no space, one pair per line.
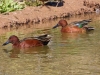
32,15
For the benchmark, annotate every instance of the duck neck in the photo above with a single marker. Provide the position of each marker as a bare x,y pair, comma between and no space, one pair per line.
64,26
16,43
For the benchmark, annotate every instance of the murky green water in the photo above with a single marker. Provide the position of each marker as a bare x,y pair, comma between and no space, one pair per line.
66,54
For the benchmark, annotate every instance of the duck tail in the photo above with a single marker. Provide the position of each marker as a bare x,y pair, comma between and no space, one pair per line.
44,39
45,42
89,28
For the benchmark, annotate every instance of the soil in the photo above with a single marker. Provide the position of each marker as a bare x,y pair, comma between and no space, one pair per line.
32,15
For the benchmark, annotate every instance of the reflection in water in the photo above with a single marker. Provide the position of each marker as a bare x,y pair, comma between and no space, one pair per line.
74,35
34,50
71,35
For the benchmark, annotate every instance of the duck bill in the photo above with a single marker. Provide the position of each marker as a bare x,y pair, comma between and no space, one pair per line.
55,26
7,42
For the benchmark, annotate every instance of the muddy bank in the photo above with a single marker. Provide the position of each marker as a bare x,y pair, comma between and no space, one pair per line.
33,15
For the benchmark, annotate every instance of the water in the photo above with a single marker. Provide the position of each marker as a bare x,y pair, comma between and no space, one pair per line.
66,54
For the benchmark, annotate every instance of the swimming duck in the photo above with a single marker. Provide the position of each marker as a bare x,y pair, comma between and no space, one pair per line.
28,42
73,28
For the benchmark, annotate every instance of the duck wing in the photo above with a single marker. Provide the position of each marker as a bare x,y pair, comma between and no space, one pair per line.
43,38
82,23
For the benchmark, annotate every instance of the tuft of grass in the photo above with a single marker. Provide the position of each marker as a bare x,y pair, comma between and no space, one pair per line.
9,6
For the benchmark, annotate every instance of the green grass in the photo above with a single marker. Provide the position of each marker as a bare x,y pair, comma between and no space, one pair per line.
9,6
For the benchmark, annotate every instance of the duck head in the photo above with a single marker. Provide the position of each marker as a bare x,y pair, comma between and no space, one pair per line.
12,39
62,23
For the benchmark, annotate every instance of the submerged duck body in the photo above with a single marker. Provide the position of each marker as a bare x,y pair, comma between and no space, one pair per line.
28,42
72,28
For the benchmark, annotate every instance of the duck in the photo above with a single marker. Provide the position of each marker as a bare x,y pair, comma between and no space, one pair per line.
73,27
28,42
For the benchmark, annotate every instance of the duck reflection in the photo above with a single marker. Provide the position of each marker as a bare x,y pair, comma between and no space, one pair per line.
74,36
70,36
14,53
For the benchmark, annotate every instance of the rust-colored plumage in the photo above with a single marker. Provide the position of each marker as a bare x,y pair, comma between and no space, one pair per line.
72,28
28,42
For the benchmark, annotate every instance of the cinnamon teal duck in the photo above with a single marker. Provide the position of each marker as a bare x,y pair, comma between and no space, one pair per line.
73,28
28,42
